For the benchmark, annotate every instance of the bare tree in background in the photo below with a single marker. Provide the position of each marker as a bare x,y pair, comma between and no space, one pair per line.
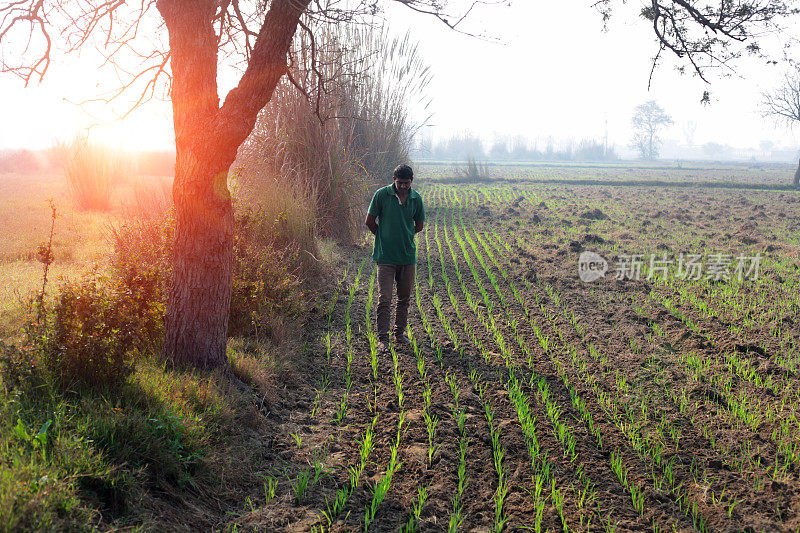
203,34
648,120
783,103
689,128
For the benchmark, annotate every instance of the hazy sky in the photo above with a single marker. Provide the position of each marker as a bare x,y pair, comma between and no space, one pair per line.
557,73
554,72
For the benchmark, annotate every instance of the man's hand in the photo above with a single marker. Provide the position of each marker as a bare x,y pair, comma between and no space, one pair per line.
372,223
418,225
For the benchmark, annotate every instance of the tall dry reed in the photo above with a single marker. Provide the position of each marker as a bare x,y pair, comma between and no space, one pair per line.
334,128
92,172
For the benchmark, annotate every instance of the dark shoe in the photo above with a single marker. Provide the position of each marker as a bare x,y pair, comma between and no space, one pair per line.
401,339
383,346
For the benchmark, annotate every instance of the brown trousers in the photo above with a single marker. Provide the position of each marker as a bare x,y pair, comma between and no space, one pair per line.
387,276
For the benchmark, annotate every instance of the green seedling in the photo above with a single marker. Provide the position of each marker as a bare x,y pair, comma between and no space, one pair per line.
37,441
300,485
270,489
297,438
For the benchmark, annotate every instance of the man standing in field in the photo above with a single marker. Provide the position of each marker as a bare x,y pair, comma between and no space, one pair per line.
395,215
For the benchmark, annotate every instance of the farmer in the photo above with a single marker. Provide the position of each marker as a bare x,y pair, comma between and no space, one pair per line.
395,215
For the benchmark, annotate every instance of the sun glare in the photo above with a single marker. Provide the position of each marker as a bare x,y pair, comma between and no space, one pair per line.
133,134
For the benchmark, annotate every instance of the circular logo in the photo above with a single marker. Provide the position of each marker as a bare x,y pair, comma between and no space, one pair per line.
591,266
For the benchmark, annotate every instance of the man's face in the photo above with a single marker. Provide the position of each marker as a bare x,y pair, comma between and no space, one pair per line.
402,185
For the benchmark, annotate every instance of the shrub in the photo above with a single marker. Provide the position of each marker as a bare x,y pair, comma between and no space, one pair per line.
19,161
141,271
141,268
87,344
100,324
266,280
266,270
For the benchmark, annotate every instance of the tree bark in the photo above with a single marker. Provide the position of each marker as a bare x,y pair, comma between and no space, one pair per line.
206,140
196,321
200,294
797,176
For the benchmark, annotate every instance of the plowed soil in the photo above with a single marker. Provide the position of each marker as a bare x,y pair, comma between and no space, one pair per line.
666,405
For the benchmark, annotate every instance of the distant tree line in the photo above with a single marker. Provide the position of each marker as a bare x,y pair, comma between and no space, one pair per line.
22,161
465,146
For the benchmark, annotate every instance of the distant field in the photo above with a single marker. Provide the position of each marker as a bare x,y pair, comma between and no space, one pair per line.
626,171
80,240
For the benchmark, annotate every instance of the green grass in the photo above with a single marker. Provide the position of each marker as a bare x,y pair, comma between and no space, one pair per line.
100,451
106,457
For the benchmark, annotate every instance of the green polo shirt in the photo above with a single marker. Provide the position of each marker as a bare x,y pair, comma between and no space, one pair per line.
394,240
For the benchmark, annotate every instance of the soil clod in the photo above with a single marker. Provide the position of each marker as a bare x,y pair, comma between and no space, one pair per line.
595,214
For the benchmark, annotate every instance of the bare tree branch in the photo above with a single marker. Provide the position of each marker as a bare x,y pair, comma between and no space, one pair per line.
709,35
452,20
783,103
152,74
33,13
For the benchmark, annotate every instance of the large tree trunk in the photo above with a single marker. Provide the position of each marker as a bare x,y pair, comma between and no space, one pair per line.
200,295
206,140
797,176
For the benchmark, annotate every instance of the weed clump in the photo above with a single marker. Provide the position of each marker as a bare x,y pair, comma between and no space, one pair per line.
473,171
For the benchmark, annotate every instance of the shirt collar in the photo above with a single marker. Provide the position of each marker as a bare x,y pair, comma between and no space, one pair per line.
411,192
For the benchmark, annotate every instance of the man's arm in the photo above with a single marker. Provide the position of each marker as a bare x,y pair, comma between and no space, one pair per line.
372,223
419,218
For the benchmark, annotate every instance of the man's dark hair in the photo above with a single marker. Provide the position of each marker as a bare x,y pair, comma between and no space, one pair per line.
403,172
